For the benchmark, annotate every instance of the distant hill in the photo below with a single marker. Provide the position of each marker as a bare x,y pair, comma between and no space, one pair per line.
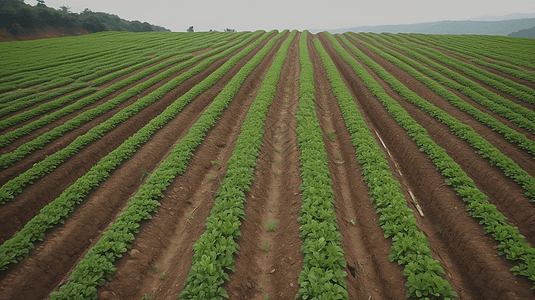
505,17
16,16
524,33
446,27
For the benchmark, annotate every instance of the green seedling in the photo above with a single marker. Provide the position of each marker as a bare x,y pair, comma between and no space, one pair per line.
265,246
272,225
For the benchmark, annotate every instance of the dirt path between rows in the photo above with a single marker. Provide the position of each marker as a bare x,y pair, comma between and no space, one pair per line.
269,262
508,196
466,98
168,239
369,272
53,260
25,206
468,256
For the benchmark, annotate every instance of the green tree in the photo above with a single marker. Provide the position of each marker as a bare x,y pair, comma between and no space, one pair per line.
190,29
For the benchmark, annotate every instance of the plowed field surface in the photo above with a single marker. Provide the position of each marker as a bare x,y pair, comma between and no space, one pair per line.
268,263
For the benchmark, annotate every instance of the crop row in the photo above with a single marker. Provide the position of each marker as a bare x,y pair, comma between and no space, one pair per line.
188,47
82,51
97,266
14,187
11,136
409,245
460,48
126,65
91,66
463,131
215,248
323,275
467,55
10,107
8,159
16,248
509,134
515,89
517,114
514,51
510,242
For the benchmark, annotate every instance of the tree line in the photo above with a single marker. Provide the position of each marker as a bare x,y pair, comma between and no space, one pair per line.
15,14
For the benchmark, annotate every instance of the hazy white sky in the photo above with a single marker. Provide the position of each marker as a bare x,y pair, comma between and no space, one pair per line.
250,15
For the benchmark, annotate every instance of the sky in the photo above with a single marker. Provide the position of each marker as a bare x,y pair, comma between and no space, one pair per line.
251,15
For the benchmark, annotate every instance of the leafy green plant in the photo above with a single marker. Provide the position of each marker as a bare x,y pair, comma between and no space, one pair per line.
265,246
154,267
97,266
211,177
215,249
216,162
331,135
409,246
164,274
151,296
272,225
323,272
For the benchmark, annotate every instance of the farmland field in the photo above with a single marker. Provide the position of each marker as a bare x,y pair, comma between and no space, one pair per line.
267,165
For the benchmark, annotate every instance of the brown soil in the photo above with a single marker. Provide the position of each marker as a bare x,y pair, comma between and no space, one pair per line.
160,258
35,33
274,196
468,256
24,207
508,196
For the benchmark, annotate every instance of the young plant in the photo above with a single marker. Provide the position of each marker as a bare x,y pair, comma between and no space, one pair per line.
154,267
331,135
265,246
144,173
272,225
164,274
151,296
211,177
216,162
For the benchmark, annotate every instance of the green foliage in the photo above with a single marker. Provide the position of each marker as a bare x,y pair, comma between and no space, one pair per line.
27,16
510,242
409,246
97,266
215,248
272,225
322,276
265,246
463,131
331,135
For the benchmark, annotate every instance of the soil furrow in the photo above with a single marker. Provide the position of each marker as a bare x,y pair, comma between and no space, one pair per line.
269,262
467,255
466,98
25,206
369,272
503,192
100,101
68,137
53,260
180,223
